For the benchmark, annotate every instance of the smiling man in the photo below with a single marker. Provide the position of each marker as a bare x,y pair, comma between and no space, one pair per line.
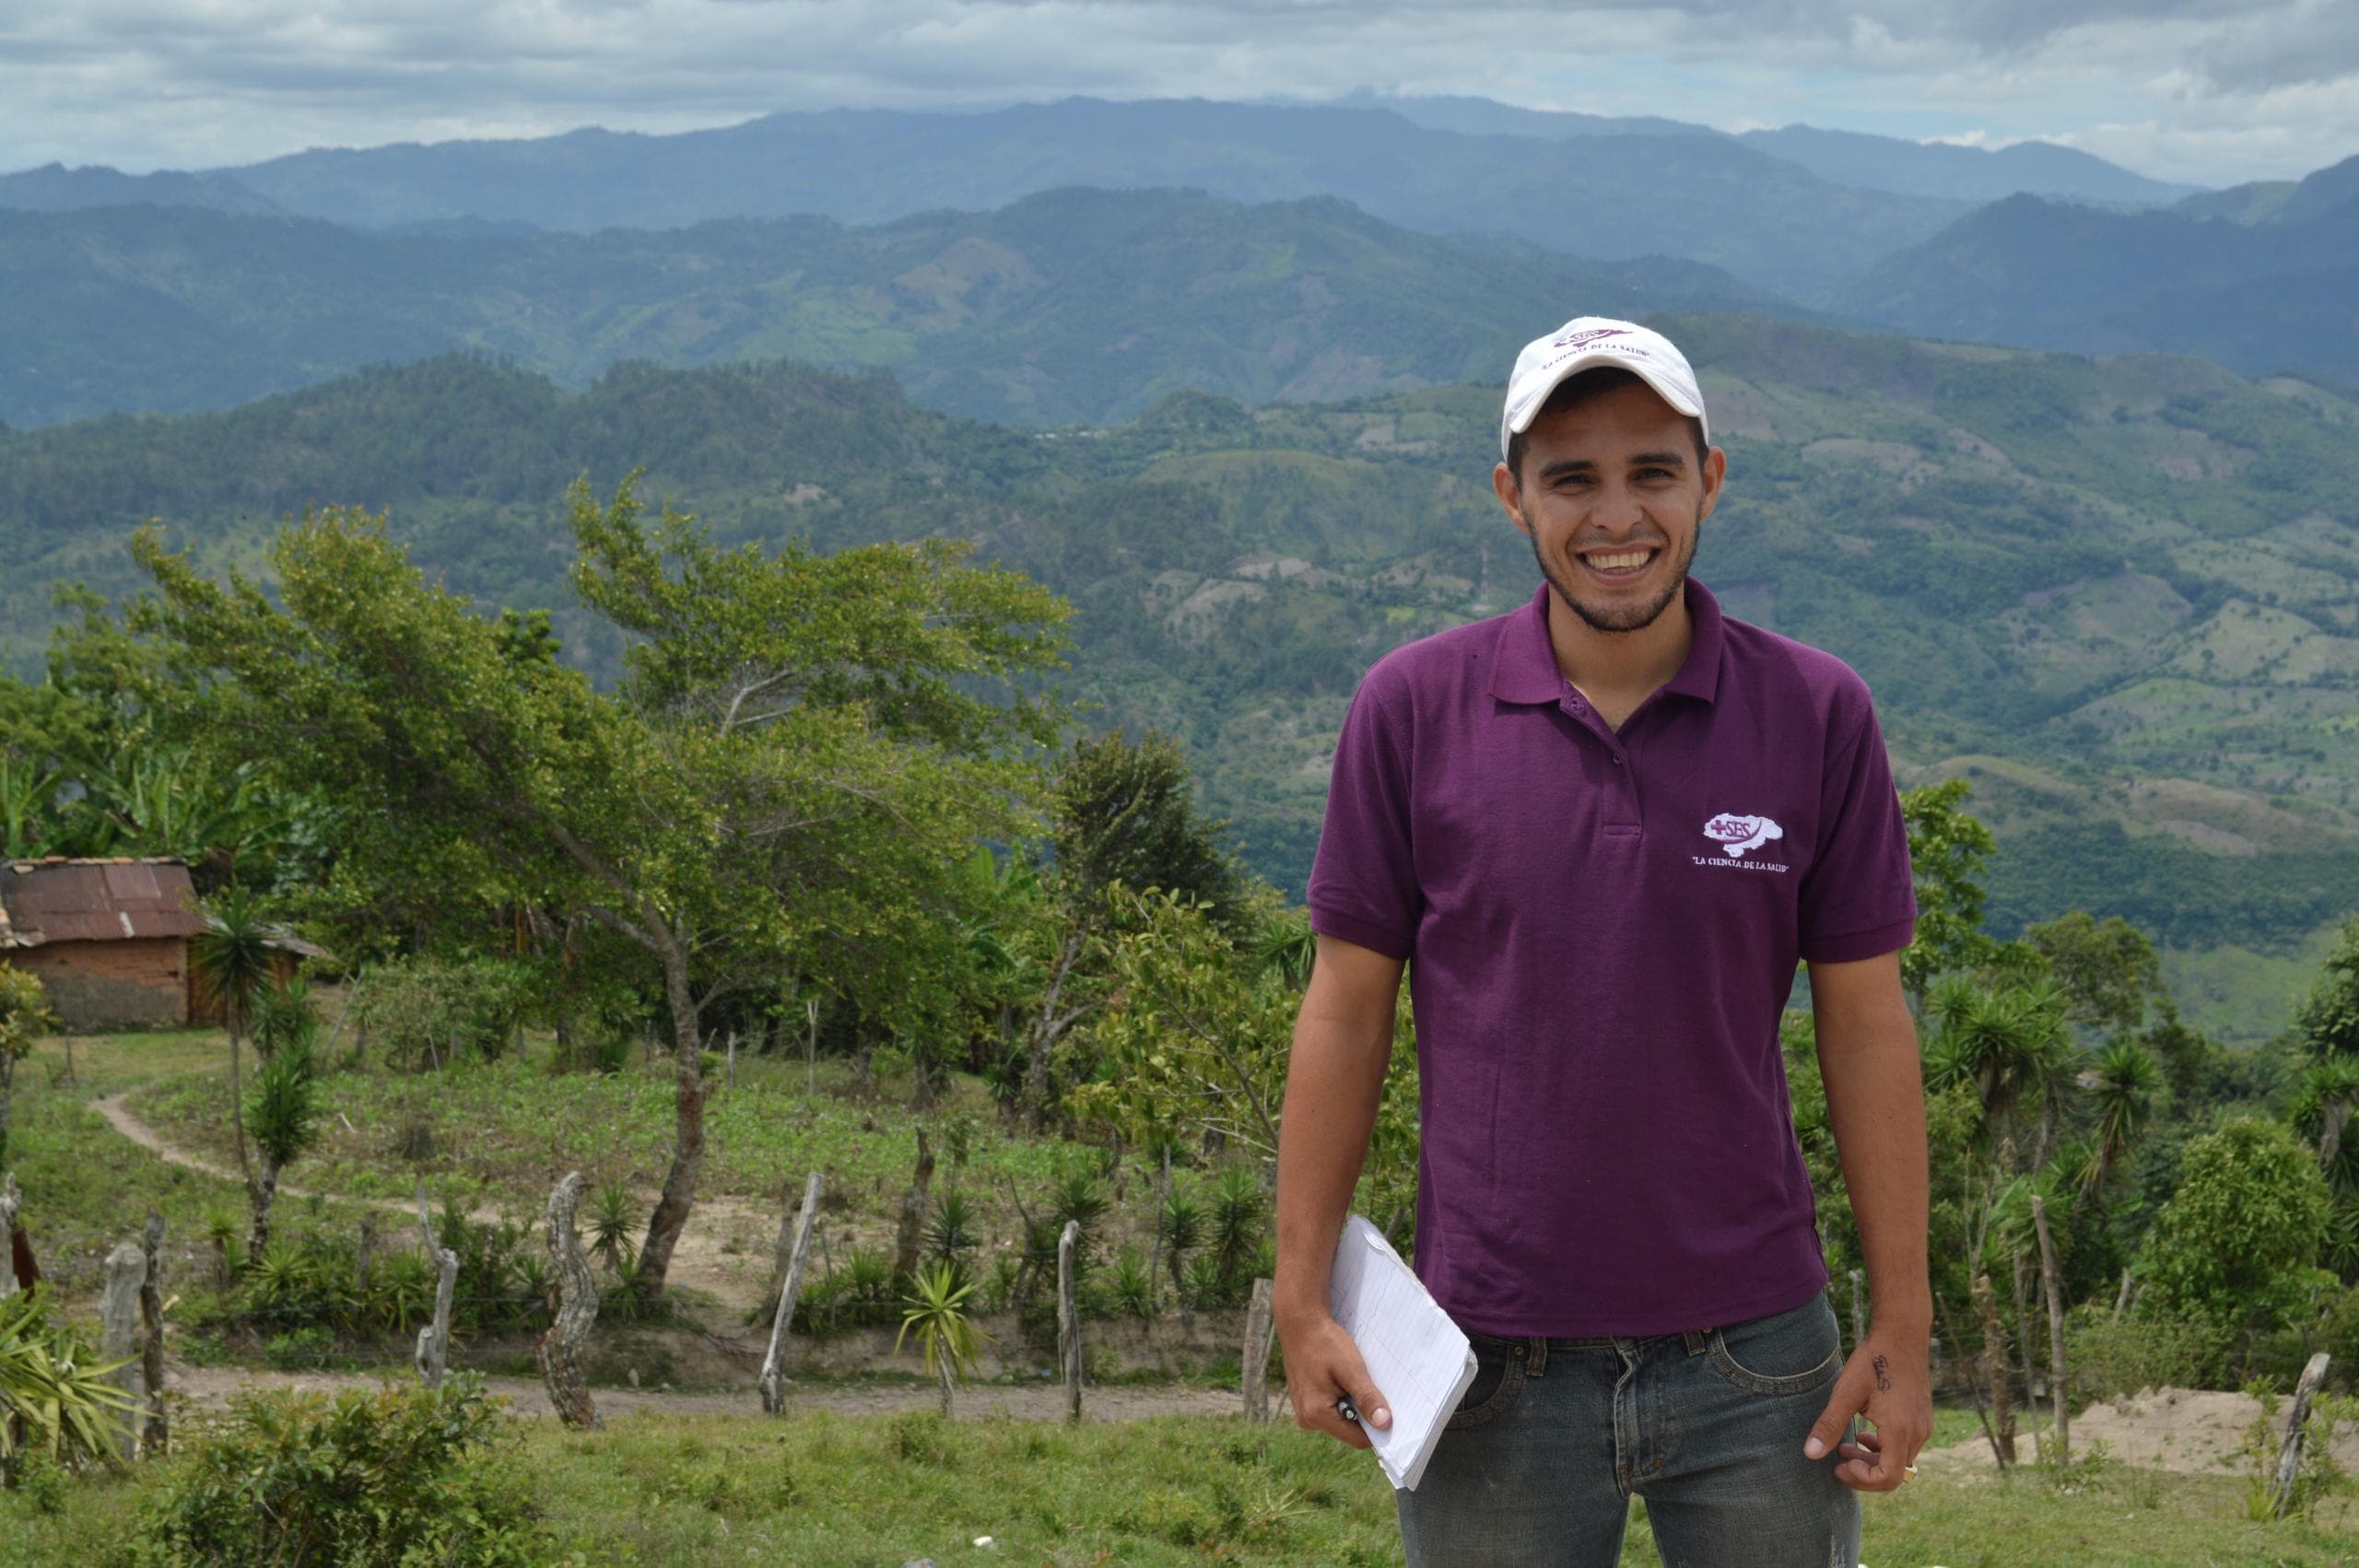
1600,833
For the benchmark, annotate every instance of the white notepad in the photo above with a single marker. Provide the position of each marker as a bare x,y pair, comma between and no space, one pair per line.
1419,1359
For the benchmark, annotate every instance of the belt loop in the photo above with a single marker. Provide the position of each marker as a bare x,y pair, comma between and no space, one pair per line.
1698,1341
1535,1360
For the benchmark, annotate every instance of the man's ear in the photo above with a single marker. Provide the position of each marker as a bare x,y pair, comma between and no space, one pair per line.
1715,473
1510,496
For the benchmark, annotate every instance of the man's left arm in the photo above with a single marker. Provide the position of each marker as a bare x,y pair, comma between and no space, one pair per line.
1875,1104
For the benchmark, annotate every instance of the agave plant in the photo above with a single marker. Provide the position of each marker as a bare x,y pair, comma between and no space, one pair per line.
1183,1232
613,1220
54,1397
1133,1283
1238,1208
950,1235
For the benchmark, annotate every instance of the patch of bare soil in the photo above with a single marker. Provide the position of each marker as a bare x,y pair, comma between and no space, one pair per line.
2185,1431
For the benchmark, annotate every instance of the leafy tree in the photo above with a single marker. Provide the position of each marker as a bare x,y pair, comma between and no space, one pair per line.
1947,850
2010,1042
232,960
803,747
1124,817
2233,1244
2108,969
2328,1019
25,1017
1197,1042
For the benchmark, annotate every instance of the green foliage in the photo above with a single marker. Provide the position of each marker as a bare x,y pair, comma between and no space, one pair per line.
2235,1244
2108,969
1948,848
610,1224
935,1309
25,1017
404,1475
2114,1357
1124,815
233,958
54,1397
422,1011
2328,1019
285,1113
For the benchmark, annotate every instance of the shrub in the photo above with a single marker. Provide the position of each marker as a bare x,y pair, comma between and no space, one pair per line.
403,1475
55,1399
2114,1357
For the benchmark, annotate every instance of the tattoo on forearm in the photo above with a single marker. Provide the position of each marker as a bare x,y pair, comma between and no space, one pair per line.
1883,1377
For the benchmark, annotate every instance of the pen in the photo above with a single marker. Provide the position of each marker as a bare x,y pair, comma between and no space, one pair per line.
1348,1410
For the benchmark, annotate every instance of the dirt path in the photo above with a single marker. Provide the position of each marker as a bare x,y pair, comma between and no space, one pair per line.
211,1387
724,1252
2185,1431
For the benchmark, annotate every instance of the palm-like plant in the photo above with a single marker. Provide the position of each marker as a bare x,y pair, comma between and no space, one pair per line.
936,1310
2323,1104
54,1397
2122,1089
1238,1208
2011,1041
286,1125
231,960
1183,1232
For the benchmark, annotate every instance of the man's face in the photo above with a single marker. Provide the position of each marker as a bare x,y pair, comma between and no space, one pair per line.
1612,499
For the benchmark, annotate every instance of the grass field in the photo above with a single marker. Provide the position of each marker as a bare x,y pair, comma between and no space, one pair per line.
821,1490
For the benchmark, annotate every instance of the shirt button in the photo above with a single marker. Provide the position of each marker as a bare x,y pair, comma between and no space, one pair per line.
1617,762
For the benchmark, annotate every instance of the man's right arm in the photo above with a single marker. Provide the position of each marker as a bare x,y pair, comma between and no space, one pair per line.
1343,1039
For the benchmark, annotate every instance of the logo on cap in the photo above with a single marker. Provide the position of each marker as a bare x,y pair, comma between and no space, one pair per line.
1575,339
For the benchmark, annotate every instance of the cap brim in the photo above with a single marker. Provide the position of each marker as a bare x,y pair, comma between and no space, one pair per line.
1519,420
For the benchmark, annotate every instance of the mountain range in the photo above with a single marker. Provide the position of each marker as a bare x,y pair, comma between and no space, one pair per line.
2116,594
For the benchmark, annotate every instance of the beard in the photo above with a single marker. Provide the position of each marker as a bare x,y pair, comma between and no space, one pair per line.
1624,618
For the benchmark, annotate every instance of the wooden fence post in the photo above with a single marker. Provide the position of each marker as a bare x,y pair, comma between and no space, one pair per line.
1069,1320
773,1365
2298,1420
1259,1327
11,1202
2059,1399
434,1340
577,1308
157,1437
119,1332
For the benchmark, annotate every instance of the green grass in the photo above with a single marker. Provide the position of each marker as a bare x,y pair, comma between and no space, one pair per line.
822,1489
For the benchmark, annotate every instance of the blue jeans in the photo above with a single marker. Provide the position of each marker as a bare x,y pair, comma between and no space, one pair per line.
1539,1462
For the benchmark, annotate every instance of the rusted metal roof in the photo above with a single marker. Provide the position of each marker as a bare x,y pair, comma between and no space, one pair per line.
61,900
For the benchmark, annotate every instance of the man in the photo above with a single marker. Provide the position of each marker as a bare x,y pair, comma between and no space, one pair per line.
1600,832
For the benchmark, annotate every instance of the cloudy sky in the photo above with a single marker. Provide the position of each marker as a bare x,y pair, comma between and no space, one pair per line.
2212,92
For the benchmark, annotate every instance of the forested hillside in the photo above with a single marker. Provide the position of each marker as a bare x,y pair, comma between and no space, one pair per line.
1073,305
2117,594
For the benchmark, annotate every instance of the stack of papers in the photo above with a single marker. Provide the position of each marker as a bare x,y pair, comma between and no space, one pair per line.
1419,1359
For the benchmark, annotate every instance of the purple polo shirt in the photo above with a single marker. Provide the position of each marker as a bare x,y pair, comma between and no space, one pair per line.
1602,929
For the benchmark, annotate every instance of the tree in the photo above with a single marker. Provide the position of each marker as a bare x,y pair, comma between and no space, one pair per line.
286,1124
2108,969
2010,1042
1123,816
1197,1043
231,959
2233,1244
2328,1022
1947,850
803,747
25,1017
2122,1088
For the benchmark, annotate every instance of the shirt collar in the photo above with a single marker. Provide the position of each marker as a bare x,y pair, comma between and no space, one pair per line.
1524,668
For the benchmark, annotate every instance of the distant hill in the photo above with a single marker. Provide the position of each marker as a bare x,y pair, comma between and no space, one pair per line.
2271,293
56,188
1963,173
1073,306
1702,197
2117,594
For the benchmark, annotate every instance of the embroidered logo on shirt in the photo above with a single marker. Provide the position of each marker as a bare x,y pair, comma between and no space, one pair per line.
1736,835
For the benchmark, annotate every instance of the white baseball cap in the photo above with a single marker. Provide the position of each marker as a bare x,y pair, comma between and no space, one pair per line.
1585,343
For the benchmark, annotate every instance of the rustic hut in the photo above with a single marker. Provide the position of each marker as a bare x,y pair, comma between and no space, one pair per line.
108,938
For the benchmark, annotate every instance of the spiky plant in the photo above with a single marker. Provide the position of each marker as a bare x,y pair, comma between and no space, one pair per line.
613,1222
936,1310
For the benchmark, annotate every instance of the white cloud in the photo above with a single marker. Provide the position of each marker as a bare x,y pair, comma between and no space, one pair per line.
2209,89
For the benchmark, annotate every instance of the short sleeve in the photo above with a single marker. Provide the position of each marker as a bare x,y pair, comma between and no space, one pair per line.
1857,900
1364,883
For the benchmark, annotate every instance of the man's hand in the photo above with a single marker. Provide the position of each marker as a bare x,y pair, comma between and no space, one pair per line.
1891,1384
1322,1366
